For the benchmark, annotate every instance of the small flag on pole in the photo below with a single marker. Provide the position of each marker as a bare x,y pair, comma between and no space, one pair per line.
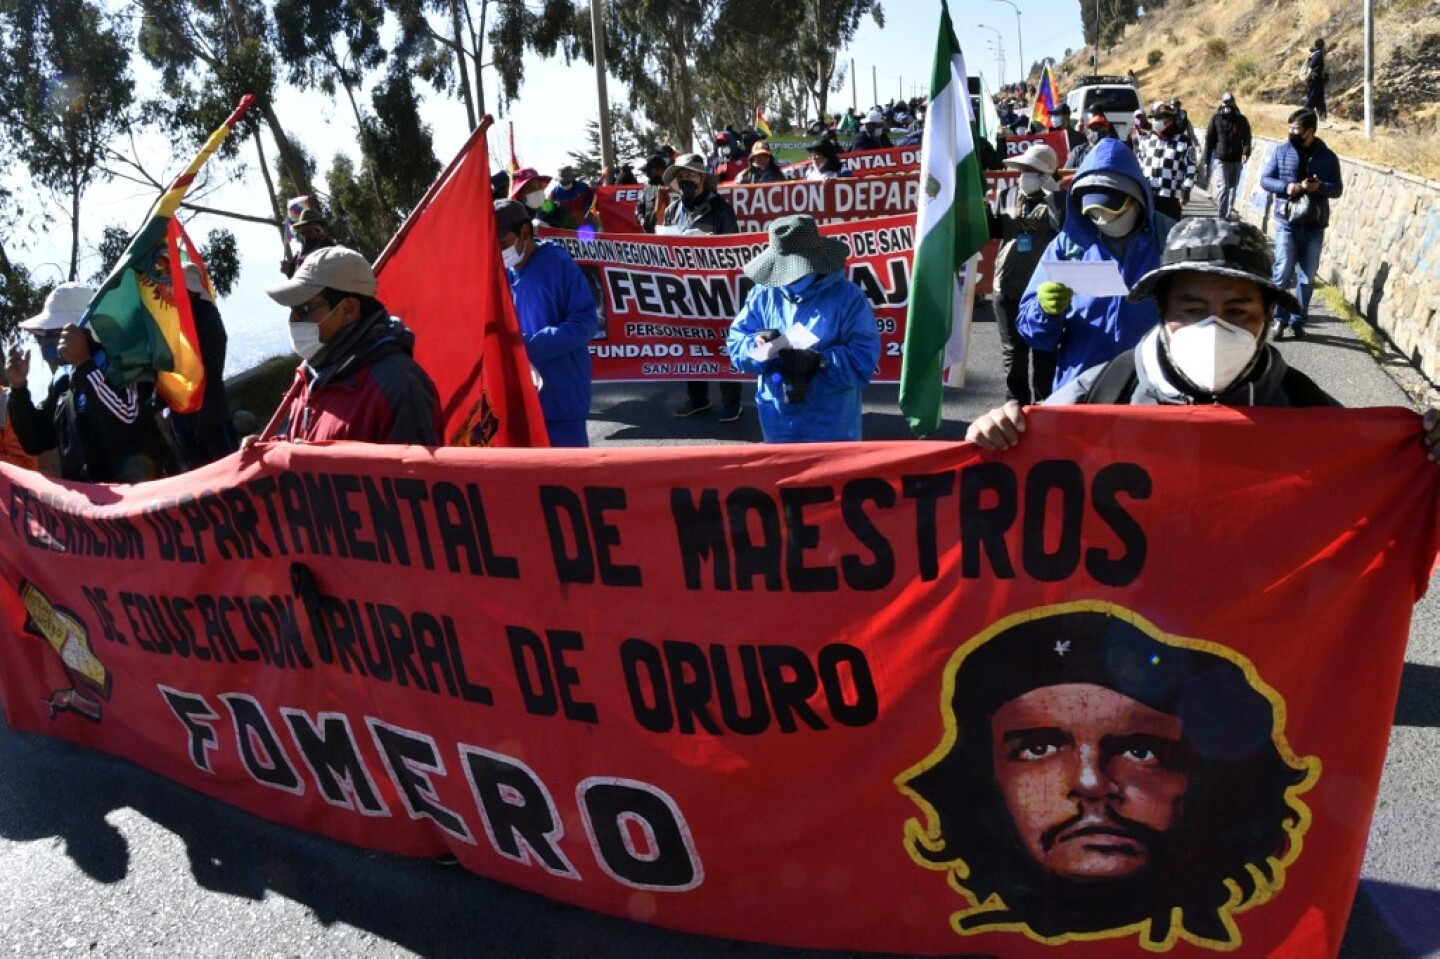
950,227
1047,97
759,123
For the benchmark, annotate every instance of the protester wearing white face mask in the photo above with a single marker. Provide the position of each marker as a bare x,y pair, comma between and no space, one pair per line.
358,379
1109,217
1026,226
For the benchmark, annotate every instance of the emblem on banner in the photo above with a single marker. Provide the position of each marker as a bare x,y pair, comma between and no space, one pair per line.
68,636
1099,778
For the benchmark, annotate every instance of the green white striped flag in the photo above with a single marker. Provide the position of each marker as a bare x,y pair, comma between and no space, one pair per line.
950,228
989,119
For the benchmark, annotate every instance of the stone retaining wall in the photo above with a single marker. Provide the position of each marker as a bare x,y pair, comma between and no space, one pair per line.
1382,250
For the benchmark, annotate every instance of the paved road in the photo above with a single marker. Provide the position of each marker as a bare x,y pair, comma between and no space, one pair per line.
99,856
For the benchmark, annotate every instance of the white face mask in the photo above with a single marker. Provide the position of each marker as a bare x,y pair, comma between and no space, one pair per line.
1116,225
511,256
305,339
1031,183
1212,354
535,199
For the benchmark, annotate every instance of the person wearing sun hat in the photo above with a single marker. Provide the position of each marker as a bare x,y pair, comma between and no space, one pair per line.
528,188
1108,217
1030,220
103,433
872,134
808,333
762,168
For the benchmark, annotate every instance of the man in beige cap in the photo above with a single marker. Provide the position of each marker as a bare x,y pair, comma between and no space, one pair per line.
101,432
357,379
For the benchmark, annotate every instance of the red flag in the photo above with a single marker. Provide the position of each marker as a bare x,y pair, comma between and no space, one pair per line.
442,275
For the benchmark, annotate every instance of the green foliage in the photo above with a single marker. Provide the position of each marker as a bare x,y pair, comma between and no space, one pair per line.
65,94
1154,57
113,241
21,297
627,139
1216,48
222,259
1245,66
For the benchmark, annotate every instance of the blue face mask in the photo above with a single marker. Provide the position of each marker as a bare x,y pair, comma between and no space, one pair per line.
801,286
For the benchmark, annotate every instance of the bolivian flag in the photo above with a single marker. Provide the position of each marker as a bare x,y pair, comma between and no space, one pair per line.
758,121
141,315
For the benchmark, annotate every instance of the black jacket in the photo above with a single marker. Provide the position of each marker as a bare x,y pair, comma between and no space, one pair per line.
867,142
710,213
649,210
103,433
1227,139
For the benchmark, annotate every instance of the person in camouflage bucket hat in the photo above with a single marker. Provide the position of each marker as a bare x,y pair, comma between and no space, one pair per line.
796,250
1212,344
1218,246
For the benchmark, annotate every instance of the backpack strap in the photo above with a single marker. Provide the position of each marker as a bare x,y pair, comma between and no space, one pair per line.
1116,382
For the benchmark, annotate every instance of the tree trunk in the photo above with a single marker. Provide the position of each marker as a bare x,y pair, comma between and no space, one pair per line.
381,207
75,190
460,64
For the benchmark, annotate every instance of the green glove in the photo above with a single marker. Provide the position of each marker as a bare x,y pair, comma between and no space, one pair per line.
1054,297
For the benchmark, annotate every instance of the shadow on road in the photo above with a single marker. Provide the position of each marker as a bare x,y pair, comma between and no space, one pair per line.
1419,702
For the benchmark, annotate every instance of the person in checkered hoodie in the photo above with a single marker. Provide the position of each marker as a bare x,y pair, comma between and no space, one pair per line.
1168,161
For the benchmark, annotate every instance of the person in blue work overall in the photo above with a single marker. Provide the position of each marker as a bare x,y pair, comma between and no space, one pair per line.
556,311
809,393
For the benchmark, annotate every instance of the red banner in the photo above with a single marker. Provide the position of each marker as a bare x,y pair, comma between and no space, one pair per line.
884,696
1018,143
757,204
666,302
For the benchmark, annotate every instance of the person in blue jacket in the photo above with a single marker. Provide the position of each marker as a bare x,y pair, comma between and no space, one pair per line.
807,393
556,310
1110,215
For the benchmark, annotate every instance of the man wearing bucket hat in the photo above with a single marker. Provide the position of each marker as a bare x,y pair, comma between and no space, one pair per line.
1216,299
1033,218
102,433
306,217
697,209
809,333
1108,217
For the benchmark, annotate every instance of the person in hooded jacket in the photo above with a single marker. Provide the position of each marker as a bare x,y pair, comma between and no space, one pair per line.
1210,346
1109,215
1227,147
357,378
555,306
809,393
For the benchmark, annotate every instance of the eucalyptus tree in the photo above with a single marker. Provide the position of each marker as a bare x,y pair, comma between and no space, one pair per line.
65,94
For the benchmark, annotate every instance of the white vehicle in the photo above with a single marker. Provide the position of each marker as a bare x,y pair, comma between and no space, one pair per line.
1117,96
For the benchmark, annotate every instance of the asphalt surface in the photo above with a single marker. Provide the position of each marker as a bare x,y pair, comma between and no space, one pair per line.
99,856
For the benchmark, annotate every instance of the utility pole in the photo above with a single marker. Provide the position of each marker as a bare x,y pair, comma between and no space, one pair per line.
874,83
854,91
597,33
1369,69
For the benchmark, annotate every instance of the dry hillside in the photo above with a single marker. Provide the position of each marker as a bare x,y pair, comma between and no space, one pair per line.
1255,49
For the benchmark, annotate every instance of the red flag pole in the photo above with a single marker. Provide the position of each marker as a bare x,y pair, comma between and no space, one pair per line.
440,181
